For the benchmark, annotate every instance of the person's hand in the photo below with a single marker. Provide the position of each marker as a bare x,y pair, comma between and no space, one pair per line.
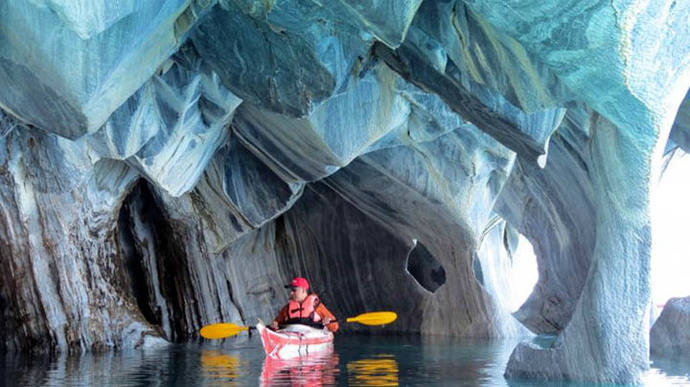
326,321
274,325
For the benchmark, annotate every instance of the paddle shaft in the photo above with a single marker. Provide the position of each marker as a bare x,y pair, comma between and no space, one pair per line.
223,330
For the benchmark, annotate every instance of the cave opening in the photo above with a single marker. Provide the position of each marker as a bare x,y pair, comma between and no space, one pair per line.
426,270
670,210
134,261
524,272
155,262
505,265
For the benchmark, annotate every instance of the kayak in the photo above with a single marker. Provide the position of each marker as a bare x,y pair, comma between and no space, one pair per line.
294,341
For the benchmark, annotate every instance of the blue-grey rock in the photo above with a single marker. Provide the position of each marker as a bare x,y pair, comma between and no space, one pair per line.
251,188
67,66
472,58
601,51
611,308
386,20
680,132
289,77
194,110
172,126
306,51
343,127
320,100
488,111
554,207
65,285
171,164
437,193
670,334
165,252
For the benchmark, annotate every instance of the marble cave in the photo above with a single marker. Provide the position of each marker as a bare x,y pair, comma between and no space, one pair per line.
171,163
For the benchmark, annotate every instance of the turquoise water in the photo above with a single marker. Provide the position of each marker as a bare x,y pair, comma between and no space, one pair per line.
357,360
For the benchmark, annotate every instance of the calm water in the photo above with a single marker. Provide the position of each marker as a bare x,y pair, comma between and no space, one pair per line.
358,360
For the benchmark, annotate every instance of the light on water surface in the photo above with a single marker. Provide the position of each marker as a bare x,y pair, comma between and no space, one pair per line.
356,361
381,370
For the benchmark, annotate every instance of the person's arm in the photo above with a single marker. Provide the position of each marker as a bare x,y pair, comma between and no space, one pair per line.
327,316
281,318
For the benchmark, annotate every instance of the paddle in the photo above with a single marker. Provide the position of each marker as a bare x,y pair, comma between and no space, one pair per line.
223,330
374,318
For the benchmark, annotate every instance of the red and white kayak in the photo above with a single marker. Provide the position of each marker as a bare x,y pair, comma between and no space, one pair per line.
294,341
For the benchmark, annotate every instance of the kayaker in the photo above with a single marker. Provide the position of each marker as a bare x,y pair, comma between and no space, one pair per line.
304,308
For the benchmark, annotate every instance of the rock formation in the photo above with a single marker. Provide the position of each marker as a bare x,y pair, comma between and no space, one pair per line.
171,164
670,334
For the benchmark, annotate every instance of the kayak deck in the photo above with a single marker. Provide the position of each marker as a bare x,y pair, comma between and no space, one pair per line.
294,341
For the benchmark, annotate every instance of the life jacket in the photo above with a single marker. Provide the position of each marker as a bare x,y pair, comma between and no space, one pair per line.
304,313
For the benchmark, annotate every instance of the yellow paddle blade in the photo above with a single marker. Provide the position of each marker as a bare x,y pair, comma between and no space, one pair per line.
221,330
374,318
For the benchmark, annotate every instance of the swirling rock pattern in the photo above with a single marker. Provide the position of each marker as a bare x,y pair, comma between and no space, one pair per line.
553,207
77,63
168,164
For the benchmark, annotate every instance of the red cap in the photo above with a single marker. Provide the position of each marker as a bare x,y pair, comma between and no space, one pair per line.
299,282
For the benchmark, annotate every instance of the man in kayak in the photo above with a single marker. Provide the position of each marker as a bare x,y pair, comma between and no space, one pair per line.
304,308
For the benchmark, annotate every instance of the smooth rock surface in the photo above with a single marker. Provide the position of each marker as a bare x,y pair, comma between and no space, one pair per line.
670,334
553,207
171,164
611,307
67,66
457,54
171,127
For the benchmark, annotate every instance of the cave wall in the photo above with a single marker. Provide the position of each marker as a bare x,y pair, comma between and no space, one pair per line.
154,155
354,249
64,278
554,207
442,203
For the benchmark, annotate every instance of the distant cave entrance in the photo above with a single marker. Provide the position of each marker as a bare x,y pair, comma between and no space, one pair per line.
424,268
505,265
524,272
670,211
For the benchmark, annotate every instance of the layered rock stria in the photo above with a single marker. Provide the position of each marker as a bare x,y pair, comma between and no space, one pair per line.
171,164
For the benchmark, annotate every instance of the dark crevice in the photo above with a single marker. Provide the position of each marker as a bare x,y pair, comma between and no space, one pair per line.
134,261
477,269
234,302
159,248
425,269
171,264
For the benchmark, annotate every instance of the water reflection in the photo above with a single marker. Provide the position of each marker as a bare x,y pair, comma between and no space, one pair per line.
220,367
360,360
307,371
381,370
